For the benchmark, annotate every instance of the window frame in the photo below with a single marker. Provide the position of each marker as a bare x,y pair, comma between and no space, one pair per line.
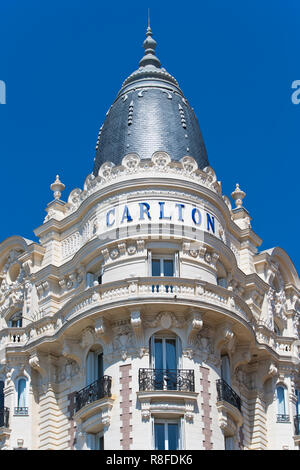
180,423
285,416
95,374
24,408
152,255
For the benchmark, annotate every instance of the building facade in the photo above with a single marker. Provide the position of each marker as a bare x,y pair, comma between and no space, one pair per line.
146,317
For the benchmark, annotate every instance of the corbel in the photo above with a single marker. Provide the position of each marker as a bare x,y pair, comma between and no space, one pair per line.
195,325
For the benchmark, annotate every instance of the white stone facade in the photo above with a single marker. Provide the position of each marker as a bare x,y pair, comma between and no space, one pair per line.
86,294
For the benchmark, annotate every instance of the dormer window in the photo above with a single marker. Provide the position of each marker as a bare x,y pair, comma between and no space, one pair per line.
15,321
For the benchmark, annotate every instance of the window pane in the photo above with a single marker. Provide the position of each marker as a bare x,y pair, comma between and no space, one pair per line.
228,443
173,436
171,364
158,353
21,393
168,267
159,436
155,267
280,401
225,369
158,362
171,354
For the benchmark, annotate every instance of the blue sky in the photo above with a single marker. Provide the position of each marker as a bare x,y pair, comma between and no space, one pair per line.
64,61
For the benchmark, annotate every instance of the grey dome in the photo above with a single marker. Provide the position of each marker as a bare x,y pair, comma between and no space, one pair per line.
150,114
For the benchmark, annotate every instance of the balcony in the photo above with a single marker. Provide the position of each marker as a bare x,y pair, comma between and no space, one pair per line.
170,379
225,393
168,393
95,391
283,418
229,407
4,417
20,411
93,405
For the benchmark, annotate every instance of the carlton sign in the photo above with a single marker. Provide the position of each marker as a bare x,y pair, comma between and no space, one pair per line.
160,212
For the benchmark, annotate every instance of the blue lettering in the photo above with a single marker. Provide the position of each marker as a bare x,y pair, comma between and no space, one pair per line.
180,209
210,222
126,215
108,222
196,216
162,210
144,209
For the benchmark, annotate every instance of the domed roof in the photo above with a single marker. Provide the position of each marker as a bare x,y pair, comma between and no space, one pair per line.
150,114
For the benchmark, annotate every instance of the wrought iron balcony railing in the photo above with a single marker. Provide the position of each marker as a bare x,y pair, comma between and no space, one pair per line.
101,388
21,411
283,418
166,379
4,417
225,393
297,425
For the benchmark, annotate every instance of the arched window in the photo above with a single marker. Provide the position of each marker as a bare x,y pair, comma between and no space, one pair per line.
282,408
165,361
21,407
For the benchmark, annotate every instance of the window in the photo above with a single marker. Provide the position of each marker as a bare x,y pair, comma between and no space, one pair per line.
229,443
167,434
94,366
282,409
15,321
225,369
21,407
164,266
89,280
95,441
221,281
165,356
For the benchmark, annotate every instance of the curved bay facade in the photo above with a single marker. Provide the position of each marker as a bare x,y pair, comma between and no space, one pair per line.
146,317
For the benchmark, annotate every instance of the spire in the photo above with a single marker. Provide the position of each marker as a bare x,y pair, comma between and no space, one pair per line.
149,45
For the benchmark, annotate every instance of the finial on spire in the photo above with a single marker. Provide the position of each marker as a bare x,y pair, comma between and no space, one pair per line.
149,45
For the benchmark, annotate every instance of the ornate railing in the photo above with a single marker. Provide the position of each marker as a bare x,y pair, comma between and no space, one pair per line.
283,418
166,379
226,393
297,425
4,417
101,388
21,411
